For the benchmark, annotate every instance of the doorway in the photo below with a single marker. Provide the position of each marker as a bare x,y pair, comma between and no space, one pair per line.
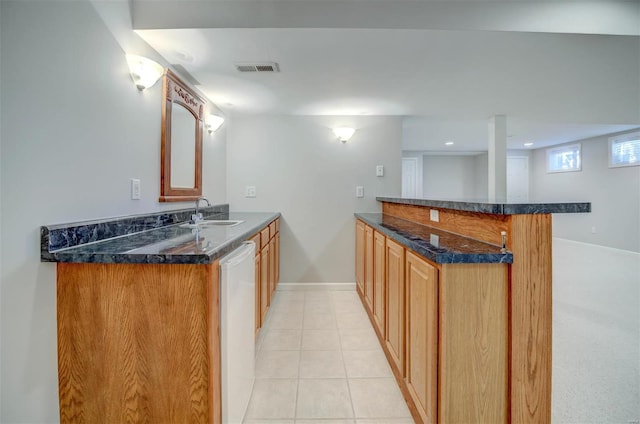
518,179
411,178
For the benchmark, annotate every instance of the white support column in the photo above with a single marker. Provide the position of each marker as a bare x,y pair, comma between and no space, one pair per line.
497,158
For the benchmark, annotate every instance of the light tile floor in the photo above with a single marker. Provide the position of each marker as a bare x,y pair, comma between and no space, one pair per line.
318,361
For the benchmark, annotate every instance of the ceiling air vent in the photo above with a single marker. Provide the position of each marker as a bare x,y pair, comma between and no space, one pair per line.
258,67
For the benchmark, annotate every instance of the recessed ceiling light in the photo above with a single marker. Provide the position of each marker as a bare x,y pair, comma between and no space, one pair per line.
529,144
449,143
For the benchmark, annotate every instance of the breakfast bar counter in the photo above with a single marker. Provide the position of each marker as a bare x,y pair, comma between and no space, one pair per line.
459,293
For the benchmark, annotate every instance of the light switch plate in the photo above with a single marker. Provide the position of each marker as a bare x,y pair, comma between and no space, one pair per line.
250,191
359,191
136,193
379,171
434,215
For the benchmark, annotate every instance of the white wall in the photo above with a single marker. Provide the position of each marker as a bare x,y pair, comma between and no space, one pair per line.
74,131
448,177
301,170
481,177
614,194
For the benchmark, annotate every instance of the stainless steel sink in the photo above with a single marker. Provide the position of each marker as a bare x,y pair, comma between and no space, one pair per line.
223,222
213,223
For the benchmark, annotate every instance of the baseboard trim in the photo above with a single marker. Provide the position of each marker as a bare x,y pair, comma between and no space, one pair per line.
584,243
316,286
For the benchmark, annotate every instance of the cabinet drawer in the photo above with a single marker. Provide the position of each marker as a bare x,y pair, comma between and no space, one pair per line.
272,229
278,225
264,234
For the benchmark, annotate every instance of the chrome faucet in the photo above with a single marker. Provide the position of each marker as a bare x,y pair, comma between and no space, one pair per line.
197,217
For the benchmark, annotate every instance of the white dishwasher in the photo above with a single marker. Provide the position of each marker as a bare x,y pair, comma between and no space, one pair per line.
237,310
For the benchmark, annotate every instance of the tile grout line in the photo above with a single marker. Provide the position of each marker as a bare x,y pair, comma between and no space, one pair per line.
344,364
295,404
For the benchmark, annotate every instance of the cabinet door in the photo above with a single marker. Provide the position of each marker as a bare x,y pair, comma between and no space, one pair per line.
379,282
272,229
138,343
277,262
368,268
258,314
265,237
395,304
360,256
422,335
272,268
264,281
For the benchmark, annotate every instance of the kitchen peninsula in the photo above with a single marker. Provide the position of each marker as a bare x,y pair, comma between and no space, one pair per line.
138,311
459,293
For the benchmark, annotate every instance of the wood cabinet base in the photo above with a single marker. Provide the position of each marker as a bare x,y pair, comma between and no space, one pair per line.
459,374
138,343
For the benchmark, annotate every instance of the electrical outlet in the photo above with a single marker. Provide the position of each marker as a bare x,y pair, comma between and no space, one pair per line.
434,215
379,171
593,230
359,191
135,189
250,191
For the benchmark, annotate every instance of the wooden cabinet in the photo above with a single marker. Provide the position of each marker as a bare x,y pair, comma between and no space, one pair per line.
368,268
395,304
267,265
272,267
360,252
379,283
277,254
443,328
258,315
141,342
422,335
264,237
473,333
265,297
138,343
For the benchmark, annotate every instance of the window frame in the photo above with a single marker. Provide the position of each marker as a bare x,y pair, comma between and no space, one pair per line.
622,138
555,149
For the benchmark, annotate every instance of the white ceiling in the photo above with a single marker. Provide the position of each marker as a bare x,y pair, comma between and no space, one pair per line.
553,87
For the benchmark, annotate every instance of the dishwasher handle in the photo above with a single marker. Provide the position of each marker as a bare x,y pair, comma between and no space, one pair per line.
248,248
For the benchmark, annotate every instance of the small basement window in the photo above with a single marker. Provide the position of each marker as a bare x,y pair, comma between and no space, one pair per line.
564,159
624,150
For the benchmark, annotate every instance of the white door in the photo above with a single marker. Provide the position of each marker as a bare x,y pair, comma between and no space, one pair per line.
409,177
517,179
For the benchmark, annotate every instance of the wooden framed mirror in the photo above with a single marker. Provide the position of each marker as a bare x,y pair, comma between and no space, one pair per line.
181,141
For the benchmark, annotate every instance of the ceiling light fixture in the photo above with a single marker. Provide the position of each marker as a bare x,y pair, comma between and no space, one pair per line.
144,72
449,143
529,144
344,133
214,122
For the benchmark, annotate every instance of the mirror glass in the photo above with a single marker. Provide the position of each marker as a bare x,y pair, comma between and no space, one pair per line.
183,147
181,141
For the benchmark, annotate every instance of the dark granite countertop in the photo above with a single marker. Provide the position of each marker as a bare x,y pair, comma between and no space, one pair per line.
493,207
436,245
170,244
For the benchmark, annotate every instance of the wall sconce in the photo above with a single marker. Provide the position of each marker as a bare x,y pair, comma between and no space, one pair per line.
214,122
144,72
344,133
